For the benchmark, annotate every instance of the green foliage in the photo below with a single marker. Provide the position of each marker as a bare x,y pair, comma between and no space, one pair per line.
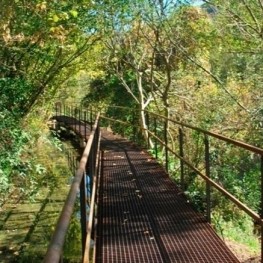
39,40
239,228
200,65
12,144
72,247
14,94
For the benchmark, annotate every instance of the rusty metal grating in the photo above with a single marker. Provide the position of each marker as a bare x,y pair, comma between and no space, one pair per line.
143,216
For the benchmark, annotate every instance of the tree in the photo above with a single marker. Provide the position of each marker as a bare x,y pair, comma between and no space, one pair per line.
140,49
39,40
237,58
40,43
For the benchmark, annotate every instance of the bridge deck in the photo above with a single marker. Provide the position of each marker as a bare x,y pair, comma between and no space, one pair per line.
144,217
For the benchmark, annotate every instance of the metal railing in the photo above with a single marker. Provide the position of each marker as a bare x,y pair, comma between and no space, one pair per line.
155,121
88,166
157,128
79,116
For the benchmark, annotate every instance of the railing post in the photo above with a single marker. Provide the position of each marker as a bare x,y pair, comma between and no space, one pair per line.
83,212
91,170
85,127
134,126
181,153
147,126
166,144
155,140
208,186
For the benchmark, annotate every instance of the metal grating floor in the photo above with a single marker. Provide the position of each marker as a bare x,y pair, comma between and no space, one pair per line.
143,216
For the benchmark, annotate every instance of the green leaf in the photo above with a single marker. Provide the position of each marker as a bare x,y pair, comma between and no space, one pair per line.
74,13
55,18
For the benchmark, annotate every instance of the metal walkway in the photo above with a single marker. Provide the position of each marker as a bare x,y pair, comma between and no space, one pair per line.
144,217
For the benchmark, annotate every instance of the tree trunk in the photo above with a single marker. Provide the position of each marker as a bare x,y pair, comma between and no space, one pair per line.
143,105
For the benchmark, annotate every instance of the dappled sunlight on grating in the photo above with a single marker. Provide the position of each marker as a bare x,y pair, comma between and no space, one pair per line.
144,217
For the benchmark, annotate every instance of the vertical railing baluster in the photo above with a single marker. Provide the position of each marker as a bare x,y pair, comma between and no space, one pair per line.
134,126
181,153
147,126
166,145
83,212
85,127
90,164
208,185
155,140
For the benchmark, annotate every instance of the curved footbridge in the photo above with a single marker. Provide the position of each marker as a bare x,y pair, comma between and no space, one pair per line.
142,215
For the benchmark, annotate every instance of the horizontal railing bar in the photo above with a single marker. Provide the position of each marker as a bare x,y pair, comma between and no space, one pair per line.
242,206
121,107
248,147
213,134
56,245
119,121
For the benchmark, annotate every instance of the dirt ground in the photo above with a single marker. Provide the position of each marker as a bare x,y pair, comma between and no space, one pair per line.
243,253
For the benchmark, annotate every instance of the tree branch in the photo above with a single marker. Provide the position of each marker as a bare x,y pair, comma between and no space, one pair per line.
198,64
126,86
252,15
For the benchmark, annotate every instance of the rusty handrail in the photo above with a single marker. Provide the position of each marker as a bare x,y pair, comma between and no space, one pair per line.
114,120
242,206
56,245
213,134
90,225
182,124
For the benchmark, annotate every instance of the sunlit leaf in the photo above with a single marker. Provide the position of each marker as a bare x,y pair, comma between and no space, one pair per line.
74,13
55,18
